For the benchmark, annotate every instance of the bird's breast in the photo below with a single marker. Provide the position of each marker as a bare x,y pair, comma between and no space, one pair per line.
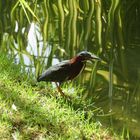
76,69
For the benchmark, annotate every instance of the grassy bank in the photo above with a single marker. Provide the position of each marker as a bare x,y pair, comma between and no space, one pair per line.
33,111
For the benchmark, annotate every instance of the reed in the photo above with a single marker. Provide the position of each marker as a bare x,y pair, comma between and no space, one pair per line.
107,28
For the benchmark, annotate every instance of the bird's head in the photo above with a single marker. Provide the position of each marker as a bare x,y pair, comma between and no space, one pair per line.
84,56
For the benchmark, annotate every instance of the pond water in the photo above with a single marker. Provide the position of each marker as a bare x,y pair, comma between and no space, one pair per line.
34,49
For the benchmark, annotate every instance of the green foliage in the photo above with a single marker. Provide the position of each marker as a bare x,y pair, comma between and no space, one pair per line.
107,28
29,111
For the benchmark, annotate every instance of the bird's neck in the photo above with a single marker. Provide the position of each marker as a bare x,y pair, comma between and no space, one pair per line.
76,59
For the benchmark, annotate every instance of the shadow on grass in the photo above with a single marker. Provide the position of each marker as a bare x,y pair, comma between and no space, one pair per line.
29,114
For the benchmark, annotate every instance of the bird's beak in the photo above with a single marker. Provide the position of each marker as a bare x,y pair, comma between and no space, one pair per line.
94,57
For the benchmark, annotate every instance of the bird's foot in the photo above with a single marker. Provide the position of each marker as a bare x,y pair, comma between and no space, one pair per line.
61,92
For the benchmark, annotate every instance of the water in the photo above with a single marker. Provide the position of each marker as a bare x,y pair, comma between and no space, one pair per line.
35,49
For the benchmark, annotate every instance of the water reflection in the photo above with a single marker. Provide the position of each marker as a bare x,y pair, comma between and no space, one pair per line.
36,48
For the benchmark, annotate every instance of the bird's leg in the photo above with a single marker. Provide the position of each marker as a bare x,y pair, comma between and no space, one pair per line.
59,89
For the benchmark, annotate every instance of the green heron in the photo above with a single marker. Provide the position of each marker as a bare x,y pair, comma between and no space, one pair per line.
67,70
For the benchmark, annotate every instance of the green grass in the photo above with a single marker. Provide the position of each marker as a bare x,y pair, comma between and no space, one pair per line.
29,110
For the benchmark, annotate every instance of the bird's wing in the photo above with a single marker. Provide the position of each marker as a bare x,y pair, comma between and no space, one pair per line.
56,73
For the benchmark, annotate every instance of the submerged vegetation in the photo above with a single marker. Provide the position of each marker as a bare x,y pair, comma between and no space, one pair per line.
38,34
